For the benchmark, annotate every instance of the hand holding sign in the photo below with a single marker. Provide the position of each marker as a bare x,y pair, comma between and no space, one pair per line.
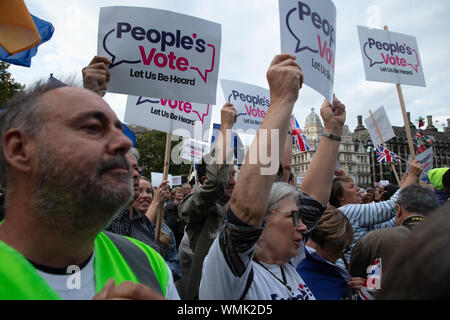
97,75
285,79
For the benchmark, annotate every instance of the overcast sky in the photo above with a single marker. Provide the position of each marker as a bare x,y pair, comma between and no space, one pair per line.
250,39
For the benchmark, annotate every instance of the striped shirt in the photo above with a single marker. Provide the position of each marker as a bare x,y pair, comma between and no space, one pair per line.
367,217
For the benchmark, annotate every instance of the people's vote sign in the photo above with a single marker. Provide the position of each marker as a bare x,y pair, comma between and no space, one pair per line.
159,53
383,124
390,57
251,103
308,31
194,150
182,118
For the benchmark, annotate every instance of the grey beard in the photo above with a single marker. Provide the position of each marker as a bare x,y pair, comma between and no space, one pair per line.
73,201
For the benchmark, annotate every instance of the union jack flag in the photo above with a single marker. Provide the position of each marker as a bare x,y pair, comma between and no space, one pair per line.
384,155
298,137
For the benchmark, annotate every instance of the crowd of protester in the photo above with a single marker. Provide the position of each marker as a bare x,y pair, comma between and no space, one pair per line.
72,196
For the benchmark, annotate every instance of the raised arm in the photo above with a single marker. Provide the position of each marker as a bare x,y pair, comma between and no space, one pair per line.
96,75
251,193
161,193
319,176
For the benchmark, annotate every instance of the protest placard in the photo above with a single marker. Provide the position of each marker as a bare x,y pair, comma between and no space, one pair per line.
194,150
390,57
157,178
251,103
384,125
159,53
178,117
308,31
426,160
176,180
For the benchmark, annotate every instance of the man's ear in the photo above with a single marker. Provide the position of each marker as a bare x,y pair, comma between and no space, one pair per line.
399,216
18,150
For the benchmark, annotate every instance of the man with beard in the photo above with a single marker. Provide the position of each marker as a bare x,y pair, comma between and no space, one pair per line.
64,167
203,211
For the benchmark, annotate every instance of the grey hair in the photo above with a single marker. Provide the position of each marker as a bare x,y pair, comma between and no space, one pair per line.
24,111
135,153
416,198
279,191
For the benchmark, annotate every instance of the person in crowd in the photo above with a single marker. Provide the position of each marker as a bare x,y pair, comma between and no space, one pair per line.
440,180
368,197
414,204
371,216
130,222
420,269
171,217
387,192
203,211
260,245
66,175
187,189
167,239
326,243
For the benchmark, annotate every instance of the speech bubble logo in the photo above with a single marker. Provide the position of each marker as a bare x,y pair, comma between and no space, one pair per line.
299,44
416,63
115,61
211,68
371,60
239,114
201,115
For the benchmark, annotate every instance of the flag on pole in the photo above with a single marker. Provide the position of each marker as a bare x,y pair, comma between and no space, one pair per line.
384,155
373,281
298,137
23,58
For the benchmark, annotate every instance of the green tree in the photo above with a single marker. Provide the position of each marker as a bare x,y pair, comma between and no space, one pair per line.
152,146
8,87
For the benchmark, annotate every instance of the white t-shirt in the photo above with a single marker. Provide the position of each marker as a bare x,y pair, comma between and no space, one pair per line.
81,286
219,283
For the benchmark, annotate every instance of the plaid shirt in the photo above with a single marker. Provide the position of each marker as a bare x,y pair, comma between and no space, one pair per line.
138,227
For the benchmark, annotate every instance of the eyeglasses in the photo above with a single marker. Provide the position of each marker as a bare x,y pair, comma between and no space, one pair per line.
296,216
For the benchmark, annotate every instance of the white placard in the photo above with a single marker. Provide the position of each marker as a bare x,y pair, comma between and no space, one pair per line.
308,31
384,183
159,53
157,179
178,117
426,160
390,57
176,180
251,103
300,180
384,125
194,150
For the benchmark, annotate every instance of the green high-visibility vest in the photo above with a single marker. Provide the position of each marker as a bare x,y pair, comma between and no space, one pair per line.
117,257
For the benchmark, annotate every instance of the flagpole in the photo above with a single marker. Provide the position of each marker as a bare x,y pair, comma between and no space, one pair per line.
159,217
382,142
405,118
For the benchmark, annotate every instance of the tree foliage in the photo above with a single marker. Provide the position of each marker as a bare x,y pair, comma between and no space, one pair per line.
8,86
152,146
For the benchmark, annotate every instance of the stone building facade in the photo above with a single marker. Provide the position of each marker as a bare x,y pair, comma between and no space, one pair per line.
352,158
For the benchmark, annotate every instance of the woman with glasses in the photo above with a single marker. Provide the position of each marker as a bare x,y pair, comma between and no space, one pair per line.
261,243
